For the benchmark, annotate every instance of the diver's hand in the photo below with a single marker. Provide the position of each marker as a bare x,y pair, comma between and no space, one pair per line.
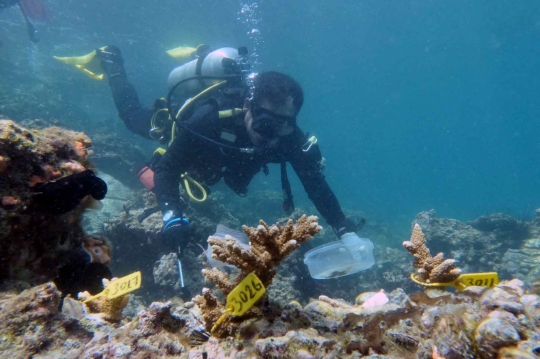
175,228
349,226
111,60
110,53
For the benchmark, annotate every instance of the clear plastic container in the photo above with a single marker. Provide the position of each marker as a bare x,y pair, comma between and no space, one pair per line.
347,256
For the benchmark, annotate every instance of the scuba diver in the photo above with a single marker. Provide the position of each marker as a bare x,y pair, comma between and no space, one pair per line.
221,122
31,9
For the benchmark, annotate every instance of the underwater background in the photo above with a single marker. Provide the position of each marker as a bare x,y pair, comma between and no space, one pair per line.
416,104
427,114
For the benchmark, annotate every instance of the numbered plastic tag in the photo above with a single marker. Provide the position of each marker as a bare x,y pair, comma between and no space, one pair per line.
249,291
120,286
479,279
488,279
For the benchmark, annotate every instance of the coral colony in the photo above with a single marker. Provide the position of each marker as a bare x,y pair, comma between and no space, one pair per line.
385,314
430,269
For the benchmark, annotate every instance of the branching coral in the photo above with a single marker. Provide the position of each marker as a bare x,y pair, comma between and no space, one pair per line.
269,246
430,269
108,309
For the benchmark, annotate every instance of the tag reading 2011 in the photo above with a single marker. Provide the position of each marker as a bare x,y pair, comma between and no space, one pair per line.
123,285
245,295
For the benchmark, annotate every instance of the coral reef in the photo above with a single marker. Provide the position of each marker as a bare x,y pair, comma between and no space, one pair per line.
478,245
430,269
139,236
119,199
522,262
31,241
31,325
485,323
269,247
119,156
496,242
166,272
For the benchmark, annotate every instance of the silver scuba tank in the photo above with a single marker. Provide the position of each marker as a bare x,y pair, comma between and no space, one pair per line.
209,65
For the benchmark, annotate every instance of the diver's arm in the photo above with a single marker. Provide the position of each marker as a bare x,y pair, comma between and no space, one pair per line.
136,117
308,167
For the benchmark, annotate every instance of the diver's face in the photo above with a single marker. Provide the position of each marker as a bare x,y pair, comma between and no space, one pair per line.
276,121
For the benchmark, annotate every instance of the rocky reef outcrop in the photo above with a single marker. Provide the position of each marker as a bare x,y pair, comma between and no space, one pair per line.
32,241
485,323
496,242
478,245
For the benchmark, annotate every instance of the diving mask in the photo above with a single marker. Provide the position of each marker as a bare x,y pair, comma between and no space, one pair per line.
270,124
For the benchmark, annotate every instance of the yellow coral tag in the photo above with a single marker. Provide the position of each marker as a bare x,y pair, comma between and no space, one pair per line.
249,291
124,285
488,279
120,286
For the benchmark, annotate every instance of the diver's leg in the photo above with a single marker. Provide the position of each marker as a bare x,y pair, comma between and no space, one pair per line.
136,117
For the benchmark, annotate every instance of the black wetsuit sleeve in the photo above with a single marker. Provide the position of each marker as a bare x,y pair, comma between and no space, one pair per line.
136,117
183,150
308,168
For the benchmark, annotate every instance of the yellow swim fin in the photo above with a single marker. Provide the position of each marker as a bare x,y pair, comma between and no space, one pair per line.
89,73
184,53
84,63
77,60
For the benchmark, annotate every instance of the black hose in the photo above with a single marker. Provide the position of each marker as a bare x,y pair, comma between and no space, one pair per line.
183,125
239,149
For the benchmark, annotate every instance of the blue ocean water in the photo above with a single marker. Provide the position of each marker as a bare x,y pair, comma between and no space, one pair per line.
416,104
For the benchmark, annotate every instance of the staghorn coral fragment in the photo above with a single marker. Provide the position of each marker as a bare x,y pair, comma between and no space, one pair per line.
220,279
229,251
431,263
430,269
417,246
108,309
445,272
212,308
273,243
269,246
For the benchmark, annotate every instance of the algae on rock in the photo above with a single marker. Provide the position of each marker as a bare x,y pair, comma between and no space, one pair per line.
32,242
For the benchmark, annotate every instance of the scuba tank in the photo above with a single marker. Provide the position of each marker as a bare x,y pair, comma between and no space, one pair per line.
218,63
195,79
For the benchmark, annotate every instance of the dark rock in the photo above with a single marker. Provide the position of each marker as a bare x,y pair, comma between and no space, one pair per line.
493,334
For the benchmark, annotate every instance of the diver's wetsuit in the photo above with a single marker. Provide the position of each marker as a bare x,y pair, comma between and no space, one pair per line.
135,116
209,163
